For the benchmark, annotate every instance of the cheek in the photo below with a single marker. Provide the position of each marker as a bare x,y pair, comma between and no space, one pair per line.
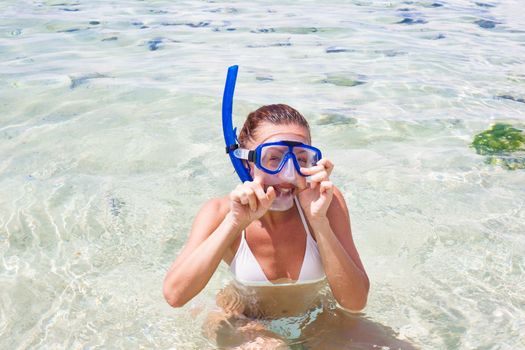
254,171
267,179
301,181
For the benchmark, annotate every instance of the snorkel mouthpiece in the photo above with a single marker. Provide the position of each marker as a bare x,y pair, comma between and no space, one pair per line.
285,194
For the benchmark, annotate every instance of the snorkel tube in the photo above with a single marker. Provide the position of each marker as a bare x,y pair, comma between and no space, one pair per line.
230,135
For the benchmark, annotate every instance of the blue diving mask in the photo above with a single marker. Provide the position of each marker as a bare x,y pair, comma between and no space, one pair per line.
273,157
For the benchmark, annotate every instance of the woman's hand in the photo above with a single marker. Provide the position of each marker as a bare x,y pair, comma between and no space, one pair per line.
249,201
317,196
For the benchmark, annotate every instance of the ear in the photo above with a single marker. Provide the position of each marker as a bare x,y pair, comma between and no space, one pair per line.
250,166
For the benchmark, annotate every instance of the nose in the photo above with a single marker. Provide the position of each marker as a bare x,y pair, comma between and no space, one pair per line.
288,171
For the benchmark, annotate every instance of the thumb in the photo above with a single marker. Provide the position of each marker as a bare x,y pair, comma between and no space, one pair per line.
326,189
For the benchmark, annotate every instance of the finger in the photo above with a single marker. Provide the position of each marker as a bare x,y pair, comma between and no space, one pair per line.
237,193
243,199
270,195
234,196
312,170
326,188
243,196
258,190
322,176
258,178
328,165
250,196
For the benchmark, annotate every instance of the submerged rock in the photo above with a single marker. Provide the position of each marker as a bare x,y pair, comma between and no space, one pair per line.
158,12
263,30
484,4
76,81
342,81
198,25
390,52
336,119
281,44
154,44
512,98
412,21
487,24
438,37
337,49
263,78
115,206
297,30
71,30
189,24
504,144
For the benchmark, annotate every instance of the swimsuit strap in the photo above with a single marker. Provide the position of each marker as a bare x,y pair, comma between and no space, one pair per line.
303,219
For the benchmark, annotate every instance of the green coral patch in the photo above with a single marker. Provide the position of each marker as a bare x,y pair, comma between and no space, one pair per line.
503,144
500,138
509,163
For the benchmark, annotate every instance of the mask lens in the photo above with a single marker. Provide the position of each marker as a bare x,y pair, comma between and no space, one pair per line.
272,156
306,157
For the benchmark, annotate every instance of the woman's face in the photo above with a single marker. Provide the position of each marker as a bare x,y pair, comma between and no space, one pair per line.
288,182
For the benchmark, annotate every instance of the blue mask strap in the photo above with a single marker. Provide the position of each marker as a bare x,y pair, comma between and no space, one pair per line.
230,137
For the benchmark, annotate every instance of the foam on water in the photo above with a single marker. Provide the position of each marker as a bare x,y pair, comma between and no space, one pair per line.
111,141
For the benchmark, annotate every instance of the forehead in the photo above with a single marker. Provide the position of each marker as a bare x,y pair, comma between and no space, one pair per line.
268,132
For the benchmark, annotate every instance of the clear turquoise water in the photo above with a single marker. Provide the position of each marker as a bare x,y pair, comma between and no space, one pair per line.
110,142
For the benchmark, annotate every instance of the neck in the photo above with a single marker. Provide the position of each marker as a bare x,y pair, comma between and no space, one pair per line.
273,219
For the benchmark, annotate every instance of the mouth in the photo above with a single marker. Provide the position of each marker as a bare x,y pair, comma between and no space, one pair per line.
284,191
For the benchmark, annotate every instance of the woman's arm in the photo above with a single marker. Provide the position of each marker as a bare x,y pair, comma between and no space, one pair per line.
217,225
327,213
213,231
343,267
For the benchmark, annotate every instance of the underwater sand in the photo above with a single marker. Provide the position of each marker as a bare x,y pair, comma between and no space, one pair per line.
110,141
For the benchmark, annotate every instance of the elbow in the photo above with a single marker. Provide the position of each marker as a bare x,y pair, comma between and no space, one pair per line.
353,305
356,303
173,298
174,302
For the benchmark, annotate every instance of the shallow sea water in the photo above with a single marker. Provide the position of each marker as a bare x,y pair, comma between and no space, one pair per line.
111,141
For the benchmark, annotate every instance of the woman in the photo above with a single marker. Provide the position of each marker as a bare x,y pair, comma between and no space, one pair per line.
284,237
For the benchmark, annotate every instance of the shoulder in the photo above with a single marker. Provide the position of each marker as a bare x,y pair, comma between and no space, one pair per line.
214,209
220,204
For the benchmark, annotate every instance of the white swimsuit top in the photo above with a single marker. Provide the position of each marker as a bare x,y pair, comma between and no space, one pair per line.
247,270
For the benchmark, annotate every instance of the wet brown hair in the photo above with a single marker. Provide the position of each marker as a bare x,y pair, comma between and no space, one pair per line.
277,114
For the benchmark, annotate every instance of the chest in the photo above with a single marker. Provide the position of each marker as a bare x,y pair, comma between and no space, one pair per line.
279,253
